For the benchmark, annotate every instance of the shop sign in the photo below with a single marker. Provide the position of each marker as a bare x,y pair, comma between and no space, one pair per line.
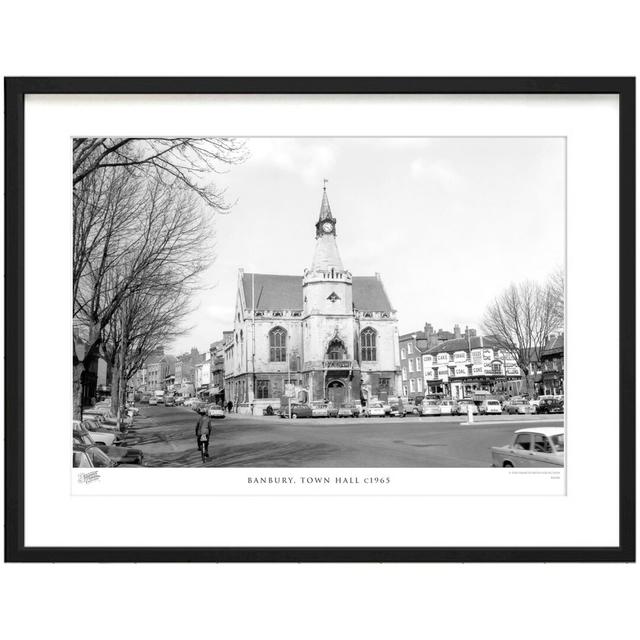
476,356
443,357
460,371
477,369
460,356
487,355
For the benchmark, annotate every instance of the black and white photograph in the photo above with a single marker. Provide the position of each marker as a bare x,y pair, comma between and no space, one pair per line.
319,302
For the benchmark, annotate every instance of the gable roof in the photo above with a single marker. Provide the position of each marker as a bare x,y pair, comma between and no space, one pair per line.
272,291
462,344
369,294
285,292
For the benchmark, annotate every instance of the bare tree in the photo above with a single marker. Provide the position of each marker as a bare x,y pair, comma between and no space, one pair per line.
149,319
131,236
521,321
556,283
187,162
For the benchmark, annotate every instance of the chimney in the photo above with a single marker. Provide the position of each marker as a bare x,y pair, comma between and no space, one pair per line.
456,331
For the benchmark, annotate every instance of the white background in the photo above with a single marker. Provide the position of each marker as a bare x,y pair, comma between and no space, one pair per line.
490,38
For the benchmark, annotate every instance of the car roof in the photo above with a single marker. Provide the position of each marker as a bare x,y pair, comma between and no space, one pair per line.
545,431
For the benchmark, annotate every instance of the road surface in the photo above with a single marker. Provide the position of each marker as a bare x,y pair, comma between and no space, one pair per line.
167,437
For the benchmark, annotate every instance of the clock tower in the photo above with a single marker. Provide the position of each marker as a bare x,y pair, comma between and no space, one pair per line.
328,316
326,224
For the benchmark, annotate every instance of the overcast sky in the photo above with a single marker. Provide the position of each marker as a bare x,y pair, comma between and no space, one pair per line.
448,222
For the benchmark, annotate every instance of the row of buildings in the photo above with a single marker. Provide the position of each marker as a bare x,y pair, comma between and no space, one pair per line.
327,334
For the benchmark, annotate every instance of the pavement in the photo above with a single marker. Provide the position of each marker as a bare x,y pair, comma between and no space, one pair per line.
167,437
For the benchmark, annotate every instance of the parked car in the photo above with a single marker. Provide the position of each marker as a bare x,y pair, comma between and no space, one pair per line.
520,407
179,400
387,408
534,447
430,408
169,401
332,410
102,436
105,424
411,406
397,410
319,409
551,405
89,455
153,401
463,406
188,402
297,411
81,435
215,411
490,407
349,410
447,407
374,410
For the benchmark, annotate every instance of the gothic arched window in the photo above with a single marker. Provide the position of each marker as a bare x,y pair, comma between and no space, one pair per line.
277,345
336,350
368,344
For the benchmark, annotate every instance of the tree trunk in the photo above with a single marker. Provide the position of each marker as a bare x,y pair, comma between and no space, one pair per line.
78,368
530,384
115,388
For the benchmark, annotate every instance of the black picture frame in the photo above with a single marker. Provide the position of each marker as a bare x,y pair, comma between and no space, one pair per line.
15,91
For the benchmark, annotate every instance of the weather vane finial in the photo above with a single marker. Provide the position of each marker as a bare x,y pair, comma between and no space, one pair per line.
325,184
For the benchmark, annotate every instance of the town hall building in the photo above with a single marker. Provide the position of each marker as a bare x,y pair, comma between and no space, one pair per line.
322,335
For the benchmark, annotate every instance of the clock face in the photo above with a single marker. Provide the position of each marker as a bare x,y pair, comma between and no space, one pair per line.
327,227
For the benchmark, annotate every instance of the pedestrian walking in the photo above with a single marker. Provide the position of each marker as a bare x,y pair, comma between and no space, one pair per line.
203,434
229,406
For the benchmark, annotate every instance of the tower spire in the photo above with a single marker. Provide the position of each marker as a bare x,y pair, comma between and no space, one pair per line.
326,254
325,208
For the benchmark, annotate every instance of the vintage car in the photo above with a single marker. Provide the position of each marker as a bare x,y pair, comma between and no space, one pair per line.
532,447
153,401
89,455
297,411
519,407
100,434
551,405
169,401
397,409
490,406
463,407
431,408
447,407
374,410
215,411
411,406
319,409
127,455
349,410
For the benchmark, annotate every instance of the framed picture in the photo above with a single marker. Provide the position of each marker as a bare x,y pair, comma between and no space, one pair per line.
320,319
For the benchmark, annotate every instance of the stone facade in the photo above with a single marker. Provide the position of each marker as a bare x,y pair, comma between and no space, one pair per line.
330,335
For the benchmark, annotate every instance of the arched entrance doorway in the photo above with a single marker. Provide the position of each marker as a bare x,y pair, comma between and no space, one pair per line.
336,393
